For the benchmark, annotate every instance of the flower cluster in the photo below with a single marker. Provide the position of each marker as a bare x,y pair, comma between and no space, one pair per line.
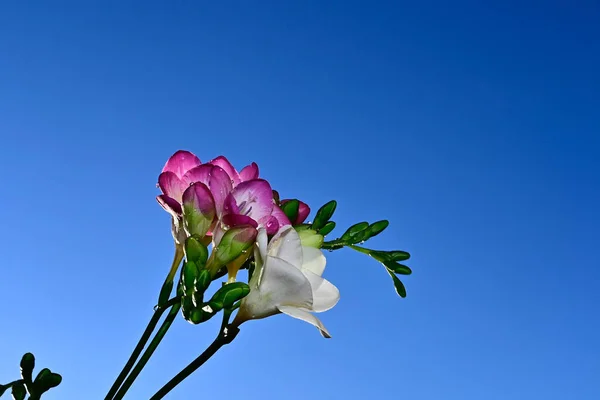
212,201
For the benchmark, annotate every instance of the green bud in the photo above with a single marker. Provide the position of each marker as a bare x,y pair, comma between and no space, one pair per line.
196,251
27,366
46,380
326,230
18,391
310,238
356,233
235,241
324,215
228,295
290,209
190,272
203,281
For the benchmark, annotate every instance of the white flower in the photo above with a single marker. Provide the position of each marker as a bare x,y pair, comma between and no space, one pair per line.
287,279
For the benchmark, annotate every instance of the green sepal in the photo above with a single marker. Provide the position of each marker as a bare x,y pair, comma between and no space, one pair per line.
327,228
324,215
290,209
46,380
18,391
196,251
226,296
27,365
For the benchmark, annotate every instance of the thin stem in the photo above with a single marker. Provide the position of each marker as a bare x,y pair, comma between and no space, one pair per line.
187,371
139,347
135,354
222,339
148,353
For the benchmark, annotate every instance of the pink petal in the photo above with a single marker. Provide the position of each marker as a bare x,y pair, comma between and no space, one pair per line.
303,211
249,172
224,163
254,199
170,205
181,162
200,198
171,185
230,205
220,186
201,173
272,225
232,220
280,216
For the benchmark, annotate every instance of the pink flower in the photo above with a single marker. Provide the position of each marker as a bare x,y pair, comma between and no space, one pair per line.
198,195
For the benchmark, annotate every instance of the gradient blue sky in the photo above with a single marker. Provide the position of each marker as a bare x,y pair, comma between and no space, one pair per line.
473,127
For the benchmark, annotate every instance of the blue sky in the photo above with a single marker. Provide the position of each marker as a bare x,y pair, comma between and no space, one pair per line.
472,127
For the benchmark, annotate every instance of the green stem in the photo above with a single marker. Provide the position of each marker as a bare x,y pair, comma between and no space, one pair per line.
226,336
187,371
139,347
360,249
148,353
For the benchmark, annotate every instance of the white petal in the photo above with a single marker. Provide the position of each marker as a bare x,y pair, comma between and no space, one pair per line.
287,246
313,260
325,294
282,283
304,315
261,240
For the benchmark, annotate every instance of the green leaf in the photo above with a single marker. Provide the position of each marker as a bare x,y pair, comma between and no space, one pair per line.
27,366
376,228
324,215
400,289
355,233
196,251
290,209
3,388
226,296
327,228
18,391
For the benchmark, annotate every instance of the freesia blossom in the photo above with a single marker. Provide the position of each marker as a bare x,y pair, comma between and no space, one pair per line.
287,279
195,193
